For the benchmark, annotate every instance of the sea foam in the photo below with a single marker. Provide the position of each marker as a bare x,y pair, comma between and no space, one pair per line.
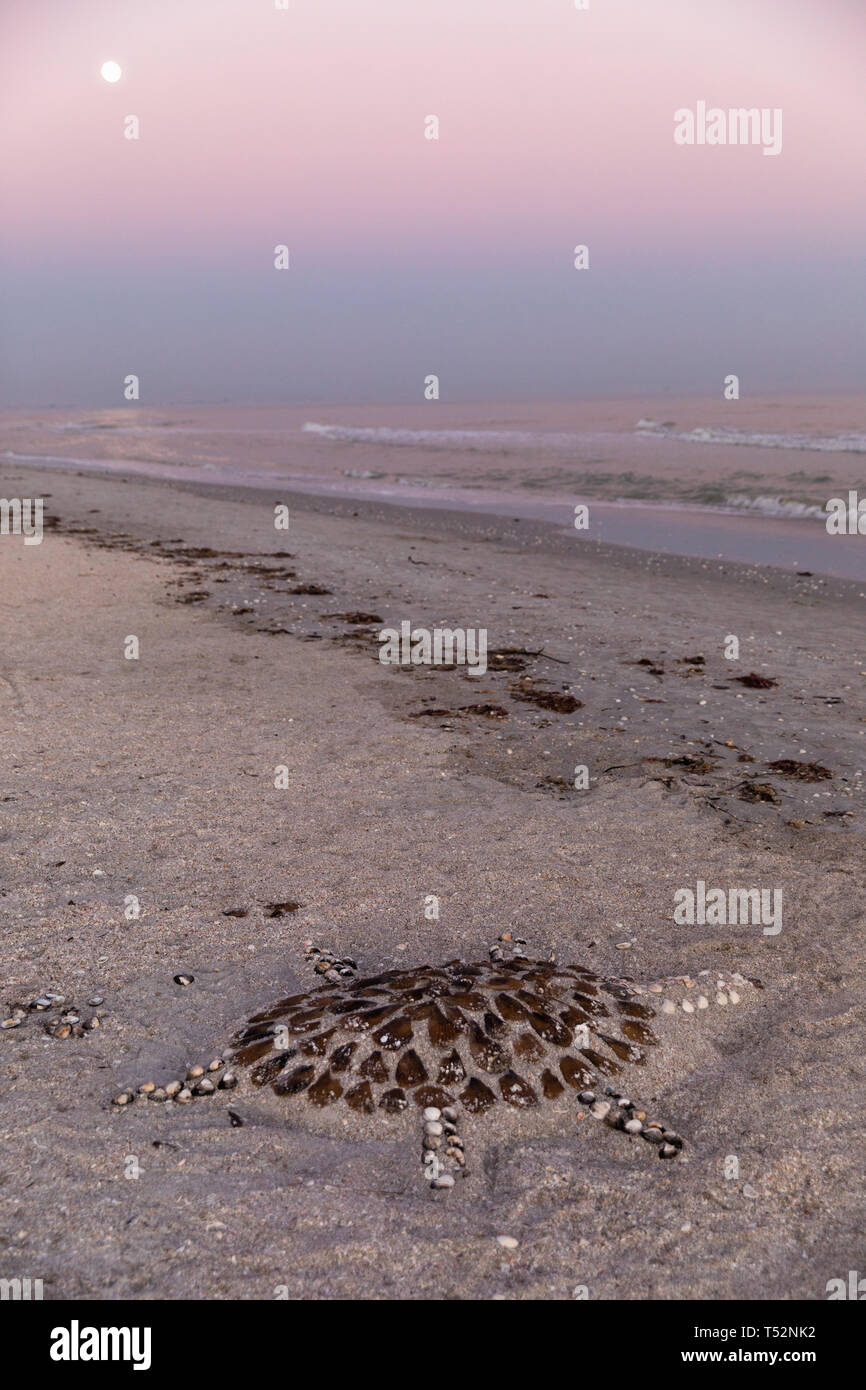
756,439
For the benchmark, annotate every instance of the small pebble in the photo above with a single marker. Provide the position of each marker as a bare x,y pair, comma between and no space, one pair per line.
633,1127
586,1097
159,1094
431,1113
600,1109
668,1151
95,1002
445,1180
184,979
432,1127
124,1098
228,1081
215,1064
146,1089
63,1031
508,1242
204,1088
172,1088
653,1135
449,1113
11,1023
183,1096
194,1072
458,1157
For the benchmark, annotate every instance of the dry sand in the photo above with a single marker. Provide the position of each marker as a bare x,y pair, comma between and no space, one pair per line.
155,778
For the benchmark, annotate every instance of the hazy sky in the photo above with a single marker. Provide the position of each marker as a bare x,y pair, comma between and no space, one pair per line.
305,126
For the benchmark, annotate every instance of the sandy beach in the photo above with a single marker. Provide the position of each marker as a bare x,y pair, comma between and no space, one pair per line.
153,779
432,673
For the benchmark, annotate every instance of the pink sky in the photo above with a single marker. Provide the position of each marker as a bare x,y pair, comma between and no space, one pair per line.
306,127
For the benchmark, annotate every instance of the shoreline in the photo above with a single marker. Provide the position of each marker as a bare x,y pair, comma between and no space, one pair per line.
661,528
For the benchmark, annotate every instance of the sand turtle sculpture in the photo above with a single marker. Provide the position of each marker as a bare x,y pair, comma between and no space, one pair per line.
461,1042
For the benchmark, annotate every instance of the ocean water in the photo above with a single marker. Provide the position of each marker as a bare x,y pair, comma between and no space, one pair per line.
675,476
486,440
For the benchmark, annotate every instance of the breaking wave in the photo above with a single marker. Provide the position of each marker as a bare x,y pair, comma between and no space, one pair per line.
447,439
489,440
704,434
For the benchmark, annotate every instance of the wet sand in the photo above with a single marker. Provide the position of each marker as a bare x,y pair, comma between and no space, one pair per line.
670,529
155,778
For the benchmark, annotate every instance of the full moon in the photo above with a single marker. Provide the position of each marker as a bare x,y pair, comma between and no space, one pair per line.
111,71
